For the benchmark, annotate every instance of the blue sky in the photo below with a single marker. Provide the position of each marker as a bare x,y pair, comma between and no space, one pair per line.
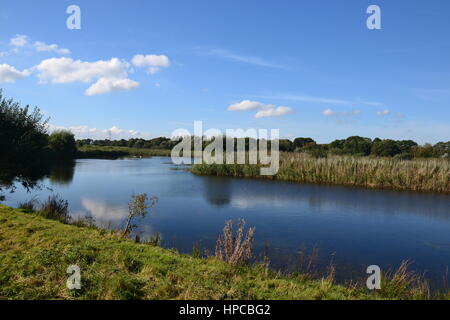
309,68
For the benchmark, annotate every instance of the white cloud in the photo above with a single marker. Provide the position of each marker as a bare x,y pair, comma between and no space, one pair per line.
273,112
41,46
66,70
101,211
315,99
325,100
10,74
244,59
154,63
107,75
86,132
328,112
370,103
246,105
19,40
384,112
265,110
105,85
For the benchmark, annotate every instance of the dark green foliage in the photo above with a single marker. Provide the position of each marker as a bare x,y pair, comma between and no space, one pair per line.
426,151
354,146
385,148
357,146
405,146
318,153
22,132
302,143
63,143
286,145
25,156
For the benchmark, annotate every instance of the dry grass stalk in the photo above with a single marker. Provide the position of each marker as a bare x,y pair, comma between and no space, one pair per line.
236,250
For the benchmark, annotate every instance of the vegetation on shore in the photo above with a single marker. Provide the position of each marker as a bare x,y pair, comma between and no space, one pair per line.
430,175
105,152
352,146
355,161
36,253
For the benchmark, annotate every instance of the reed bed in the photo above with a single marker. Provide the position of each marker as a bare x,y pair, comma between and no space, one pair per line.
426,175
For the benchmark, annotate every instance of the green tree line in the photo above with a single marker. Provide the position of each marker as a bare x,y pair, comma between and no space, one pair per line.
356,146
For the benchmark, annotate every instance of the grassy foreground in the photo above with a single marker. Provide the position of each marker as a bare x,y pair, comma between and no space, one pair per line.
35,253
430,175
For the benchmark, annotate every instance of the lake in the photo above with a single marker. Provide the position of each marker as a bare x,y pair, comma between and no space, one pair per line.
352,227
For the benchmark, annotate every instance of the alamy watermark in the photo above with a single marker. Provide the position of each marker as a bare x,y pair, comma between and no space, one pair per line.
374,20
374,280
73,22
74,280
228,147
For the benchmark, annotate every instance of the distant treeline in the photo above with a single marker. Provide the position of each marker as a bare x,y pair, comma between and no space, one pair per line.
357,146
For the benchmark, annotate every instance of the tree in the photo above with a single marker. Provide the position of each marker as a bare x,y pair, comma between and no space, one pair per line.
426,151
405,146
23,138
386,148
358,145
137,207
63,143
301,143
23,132
443,148
286,145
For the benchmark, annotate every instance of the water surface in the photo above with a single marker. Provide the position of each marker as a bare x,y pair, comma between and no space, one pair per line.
354,227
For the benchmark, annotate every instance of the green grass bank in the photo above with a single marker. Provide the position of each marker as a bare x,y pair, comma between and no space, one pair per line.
36,252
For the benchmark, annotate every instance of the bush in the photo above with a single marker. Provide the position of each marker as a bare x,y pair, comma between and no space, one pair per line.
63,143
318,153
28,206
385,148
55,208
426,151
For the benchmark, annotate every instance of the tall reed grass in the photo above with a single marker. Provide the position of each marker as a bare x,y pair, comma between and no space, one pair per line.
431,175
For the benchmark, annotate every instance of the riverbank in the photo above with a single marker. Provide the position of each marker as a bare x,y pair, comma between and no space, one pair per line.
96,152
36,253
424,175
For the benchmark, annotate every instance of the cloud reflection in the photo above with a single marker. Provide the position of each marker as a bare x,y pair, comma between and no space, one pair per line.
102,212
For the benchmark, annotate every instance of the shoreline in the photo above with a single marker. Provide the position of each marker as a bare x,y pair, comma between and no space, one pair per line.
358,172
37,251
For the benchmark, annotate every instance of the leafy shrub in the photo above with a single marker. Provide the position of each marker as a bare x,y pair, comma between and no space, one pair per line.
22,133
63,143
137,207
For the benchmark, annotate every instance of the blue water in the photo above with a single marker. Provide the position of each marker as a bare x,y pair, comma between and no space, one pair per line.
354,227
